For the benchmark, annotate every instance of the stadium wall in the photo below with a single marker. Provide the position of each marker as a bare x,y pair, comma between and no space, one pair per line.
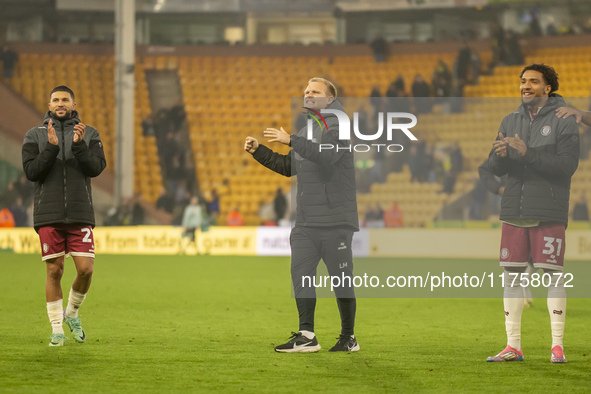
274,241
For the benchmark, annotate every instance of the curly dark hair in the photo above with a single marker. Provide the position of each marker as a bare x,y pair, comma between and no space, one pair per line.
550,75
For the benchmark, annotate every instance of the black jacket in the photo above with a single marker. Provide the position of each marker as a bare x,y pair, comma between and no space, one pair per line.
489,180
62,172
538,184
326,189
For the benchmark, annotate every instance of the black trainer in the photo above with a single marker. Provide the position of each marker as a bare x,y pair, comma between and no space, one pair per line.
346,343
298,343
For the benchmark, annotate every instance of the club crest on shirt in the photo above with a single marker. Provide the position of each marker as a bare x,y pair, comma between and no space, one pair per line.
546,130
504,253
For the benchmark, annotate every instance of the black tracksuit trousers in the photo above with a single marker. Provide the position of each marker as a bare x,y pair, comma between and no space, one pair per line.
333,246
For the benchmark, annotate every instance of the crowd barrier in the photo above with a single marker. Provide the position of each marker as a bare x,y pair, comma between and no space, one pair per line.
274,241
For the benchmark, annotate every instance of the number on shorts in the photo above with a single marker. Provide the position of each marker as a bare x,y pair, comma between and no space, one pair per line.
550,246
87,236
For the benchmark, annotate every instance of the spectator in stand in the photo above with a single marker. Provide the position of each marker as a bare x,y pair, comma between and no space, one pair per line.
169,157
10,195
421,91
452,163
380,48
9,59
394,217
449,182
6,218
25,189
182,195
213,206
580,212
441,71
511,53
475,66
279,205
392,90
177,116
137,211
363,123
428,170
442,87
113,217
456,158
551,29
413,162
374,218
162,123
534,26
125,212
148,128
19,213
396,90
234,218
399,84
375,98
165,201
463,62
497,45
479,195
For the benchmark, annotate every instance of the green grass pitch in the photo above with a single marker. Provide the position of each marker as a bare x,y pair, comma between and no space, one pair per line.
192,324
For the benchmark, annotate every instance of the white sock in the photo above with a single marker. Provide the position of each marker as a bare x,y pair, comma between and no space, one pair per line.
557,310
308,334
75,299
55,311
513,302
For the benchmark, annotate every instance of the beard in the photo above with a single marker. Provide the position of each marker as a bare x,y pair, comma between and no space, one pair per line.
68,115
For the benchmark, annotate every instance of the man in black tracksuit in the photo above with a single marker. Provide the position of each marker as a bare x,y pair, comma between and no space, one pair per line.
60,157
539,153
326,216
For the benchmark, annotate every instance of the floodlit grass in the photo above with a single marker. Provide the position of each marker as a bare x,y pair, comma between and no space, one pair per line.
170,324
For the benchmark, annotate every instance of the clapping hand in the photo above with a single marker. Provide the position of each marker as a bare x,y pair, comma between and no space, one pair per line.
79,131
500,146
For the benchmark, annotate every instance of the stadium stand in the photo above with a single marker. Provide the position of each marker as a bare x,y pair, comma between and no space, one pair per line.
229,97
217,89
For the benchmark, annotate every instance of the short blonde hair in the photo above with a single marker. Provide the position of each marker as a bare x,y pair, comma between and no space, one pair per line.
330,88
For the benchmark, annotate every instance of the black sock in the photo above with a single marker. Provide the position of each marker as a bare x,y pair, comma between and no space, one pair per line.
347,308
306,308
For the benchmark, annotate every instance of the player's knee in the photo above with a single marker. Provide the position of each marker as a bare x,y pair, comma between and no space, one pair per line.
55,271
86,271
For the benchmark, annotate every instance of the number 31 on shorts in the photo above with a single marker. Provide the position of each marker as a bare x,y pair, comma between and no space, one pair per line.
549,246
